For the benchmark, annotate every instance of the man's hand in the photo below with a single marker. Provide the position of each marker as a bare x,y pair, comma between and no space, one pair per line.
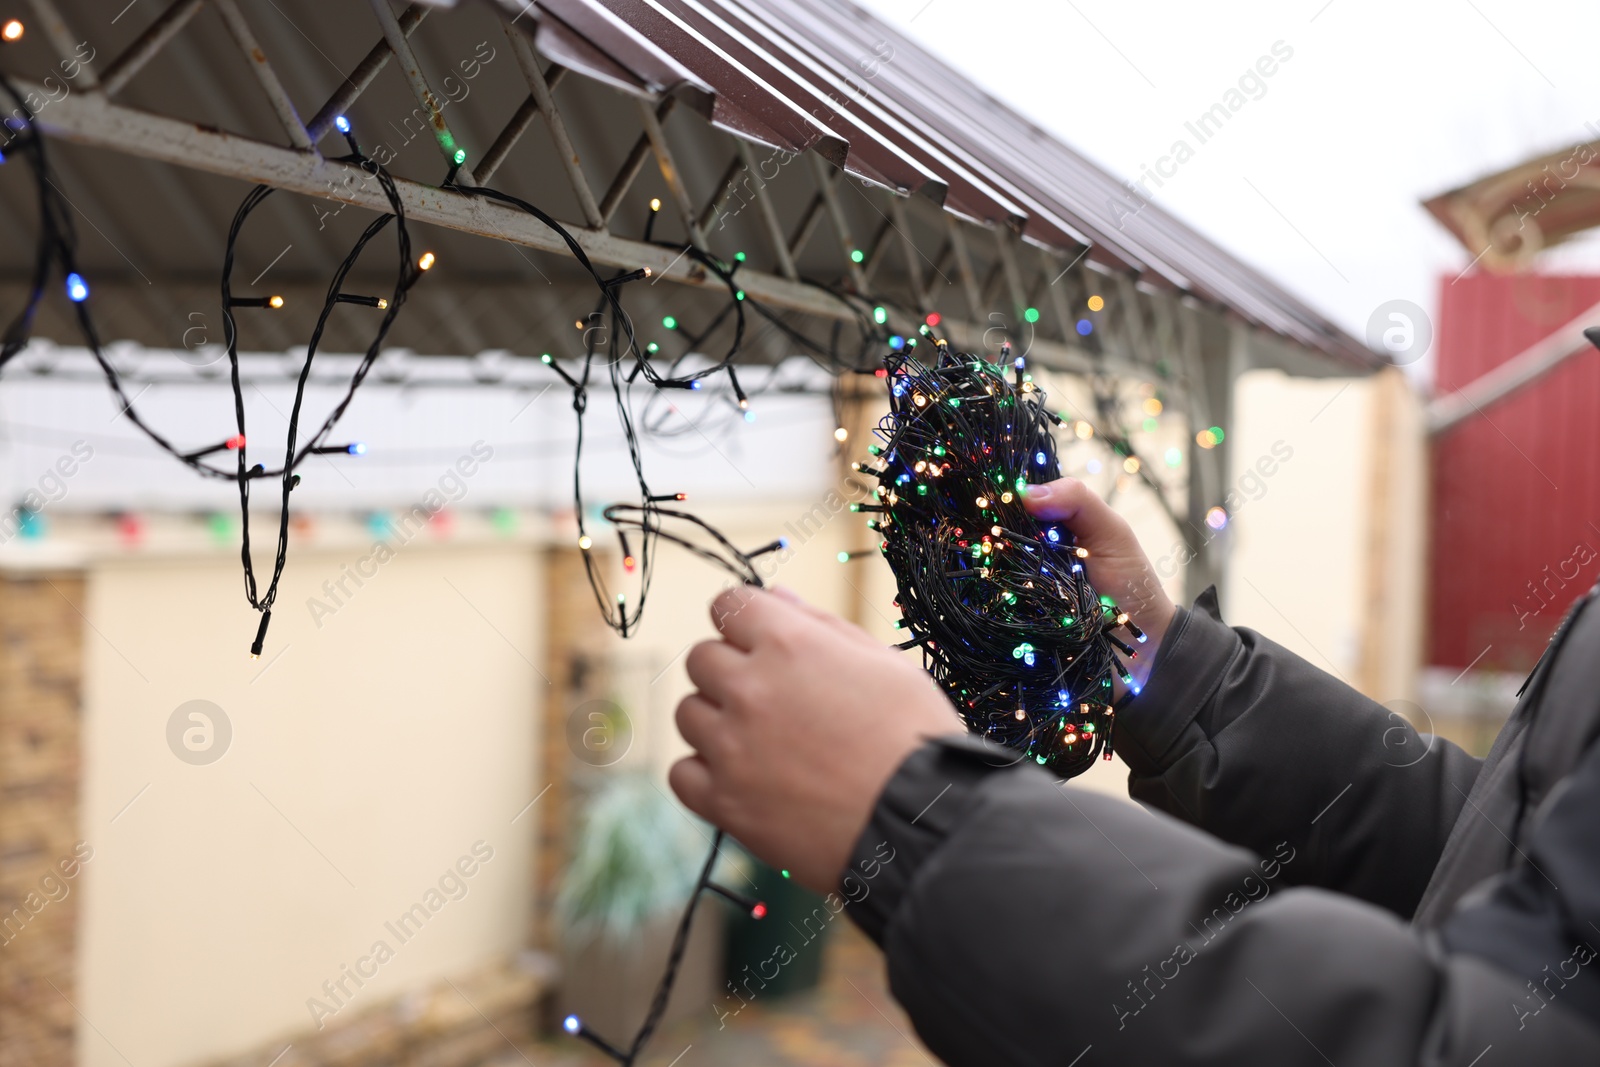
1117,566
799,722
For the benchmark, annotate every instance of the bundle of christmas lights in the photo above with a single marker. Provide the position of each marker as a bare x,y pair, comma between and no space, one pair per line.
997,601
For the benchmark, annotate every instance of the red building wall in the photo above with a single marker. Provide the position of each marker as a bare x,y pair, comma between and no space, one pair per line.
1515,532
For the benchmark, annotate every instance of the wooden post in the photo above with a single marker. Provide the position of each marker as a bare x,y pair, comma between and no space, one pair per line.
578,666
860,404
1382,545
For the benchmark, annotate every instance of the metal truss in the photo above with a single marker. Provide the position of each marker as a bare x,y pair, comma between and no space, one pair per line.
996,281
1020,274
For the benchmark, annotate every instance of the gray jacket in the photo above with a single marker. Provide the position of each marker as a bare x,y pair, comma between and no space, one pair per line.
1326,886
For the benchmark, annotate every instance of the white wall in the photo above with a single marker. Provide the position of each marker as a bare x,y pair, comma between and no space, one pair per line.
367,756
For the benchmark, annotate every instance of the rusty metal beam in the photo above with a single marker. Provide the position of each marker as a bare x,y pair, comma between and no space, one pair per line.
902,225
769,214
841,225
277,96
121,70
64,41
540,86
629,171
969,280
93,120
725,186
670,173
507,138
808,226
400,45
371,64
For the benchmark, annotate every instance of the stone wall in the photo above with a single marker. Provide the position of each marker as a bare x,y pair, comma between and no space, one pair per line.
41,854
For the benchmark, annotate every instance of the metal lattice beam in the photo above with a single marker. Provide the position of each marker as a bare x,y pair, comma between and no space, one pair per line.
93,120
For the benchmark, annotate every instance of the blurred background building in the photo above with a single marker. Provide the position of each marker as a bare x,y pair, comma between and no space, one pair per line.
441,730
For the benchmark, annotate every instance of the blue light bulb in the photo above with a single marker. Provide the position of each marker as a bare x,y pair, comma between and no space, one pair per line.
357,449
1040,458
1085,327
1053,534
77,288
695,384
341,124
571,1024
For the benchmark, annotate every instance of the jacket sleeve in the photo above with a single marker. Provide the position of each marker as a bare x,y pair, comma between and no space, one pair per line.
1029,922
1240,737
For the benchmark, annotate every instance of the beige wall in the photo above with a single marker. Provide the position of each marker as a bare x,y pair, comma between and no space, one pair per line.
365,759
379,747
1330,542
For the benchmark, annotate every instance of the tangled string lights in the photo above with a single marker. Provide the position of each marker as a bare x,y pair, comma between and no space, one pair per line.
57,250
998,602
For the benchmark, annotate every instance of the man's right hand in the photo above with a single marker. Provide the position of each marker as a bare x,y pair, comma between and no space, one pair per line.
1117,566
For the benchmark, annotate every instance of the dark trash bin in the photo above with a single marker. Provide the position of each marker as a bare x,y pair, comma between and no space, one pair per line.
780,953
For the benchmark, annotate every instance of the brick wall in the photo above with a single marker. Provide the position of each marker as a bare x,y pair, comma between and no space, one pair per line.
41,672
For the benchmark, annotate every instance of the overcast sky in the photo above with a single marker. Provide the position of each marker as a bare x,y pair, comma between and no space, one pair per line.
1382,103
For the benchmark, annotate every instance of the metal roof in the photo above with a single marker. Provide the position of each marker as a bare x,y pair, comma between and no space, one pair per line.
820,77
1505,219
799,70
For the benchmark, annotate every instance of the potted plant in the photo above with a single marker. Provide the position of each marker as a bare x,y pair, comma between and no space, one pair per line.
635,864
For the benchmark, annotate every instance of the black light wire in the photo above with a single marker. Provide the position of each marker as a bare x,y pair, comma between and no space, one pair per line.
57,245
407,275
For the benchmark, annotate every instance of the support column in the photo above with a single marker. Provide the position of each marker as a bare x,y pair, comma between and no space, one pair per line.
578,666
1218,355
1378,643
861,403
41,687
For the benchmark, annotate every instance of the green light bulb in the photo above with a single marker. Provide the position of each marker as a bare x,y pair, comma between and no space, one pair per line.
856,256
1032,314
669,322
880,316
460,156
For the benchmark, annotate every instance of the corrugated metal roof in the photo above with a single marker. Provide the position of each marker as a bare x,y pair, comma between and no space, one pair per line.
793,66
1507,218
792,74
